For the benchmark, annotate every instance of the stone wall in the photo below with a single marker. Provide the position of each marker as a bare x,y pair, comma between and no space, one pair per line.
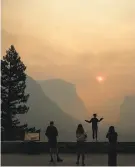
65,147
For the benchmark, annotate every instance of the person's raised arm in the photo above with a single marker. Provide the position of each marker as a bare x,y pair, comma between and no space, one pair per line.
100,119
88,121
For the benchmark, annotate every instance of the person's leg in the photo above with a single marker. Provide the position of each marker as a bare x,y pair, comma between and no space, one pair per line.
93,133
57,153
50,149
109,160
53,151
51,154
96,133
114,160
83,153
78,158
83,158
78,153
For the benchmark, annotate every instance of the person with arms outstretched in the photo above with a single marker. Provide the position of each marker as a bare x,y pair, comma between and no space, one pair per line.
52,133
94,122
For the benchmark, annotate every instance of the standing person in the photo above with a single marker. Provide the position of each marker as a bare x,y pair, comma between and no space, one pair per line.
81,137
112,151
94,122
52,133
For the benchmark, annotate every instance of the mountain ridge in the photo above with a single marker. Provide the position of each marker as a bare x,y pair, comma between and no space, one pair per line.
65,95
43,110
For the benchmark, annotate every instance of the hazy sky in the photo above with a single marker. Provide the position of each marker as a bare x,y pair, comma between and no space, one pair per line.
77,40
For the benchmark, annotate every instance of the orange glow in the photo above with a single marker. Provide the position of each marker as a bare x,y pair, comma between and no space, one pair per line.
88,43
100,78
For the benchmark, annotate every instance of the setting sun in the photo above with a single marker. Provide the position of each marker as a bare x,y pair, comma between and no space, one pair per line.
100,78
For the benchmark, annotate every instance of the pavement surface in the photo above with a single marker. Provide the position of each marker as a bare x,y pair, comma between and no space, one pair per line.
69,160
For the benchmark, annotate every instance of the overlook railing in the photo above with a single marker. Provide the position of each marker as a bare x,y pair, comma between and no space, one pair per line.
64,147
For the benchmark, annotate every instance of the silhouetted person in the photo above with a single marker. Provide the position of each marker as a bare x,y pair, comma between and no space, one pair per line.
81,137
112,152
94,122
52,133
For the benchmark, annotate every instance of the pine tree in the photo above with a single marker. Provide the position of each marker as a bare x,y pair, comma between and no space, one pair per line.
13,97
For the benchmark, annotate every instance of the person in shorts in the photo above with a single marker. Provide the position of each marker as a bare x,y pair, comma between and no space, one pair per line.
52,134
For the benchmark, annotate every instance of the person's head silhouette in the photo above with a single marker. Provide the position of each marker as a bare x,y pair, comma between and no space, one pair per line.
80,129
51,123
94,115
111,129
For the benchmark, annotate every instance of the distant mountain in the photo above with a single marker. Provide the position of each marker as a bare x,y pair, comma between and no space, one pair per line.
64,94
126,124
43,110
128,111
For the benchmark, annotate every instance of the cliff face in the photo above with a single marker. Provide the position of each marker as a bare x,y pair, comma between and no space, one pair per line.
127,111
64,94
43,110
126,123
